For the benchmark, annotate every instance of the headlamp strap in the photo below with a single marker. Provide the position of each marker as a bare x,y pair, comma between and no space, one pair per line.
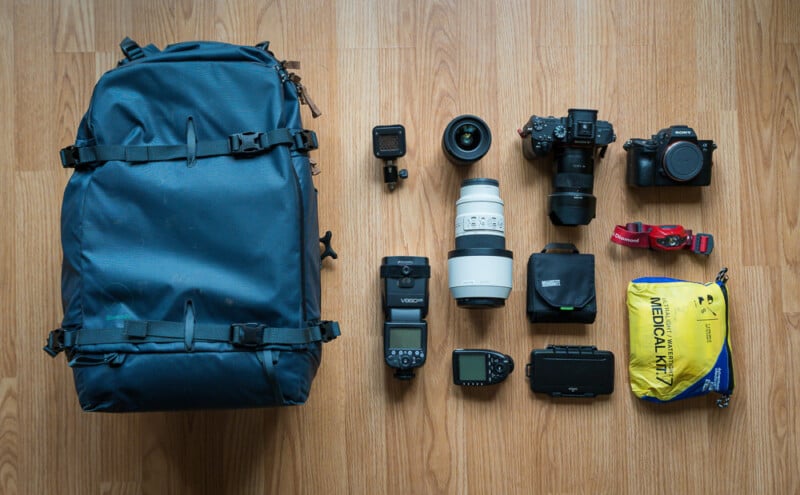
662,237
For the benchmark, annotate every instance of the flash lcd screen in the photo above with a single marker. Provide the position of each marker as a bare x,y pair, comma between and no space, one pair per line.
405,338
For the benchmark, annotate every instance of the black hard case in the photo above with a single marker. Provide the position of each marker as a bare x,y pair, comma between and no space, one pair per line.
571,371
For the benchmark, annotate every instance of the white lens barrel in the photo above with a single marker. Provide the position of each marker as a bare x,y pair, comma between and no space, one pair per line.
479,270
476,277
479,211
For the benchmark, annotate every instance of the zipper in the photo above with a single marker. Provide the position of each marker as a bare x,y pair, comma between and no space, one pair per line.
724,401
298,189
302,91
303,96
284,77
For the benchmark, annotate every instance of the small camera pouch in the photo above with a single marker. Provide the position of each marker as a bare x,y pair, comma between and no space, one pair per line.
561,286
679,339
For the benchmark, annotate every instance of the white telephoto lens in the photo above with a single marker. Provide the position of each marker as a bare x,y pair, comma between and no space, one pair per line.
480,268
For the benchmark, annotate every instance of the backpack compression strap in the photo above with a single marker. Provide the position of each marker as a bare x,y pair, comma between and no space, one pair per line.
241,144
248,335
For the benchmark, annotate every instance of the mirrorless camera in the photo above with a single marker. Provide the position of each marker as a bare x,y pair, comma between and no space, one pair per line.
405,305
574,140
673,157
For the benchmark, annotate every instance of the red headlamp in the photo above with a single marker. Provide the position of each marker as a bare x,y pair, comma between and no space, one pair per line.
662,237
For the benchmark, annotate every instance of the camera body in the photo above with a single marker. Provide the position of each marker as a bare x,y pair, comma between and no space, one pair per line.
404,291
580,128
673,157
574,140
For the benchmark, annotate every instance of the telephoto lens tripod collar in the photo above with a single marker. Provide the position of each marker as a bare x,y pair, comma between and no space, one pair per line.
662,238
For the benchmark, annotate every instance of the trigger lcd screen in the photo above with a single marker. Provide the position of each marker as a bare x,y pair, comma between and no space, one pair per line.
472,367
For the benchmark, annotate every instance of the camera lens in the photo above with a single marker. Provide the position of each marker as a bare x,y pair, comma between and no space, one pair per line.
682,161
479,268
572,202
466,140
571,208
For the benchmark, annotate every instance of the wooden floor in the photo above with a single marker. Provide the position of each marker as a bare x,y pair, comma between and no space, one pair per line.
730,69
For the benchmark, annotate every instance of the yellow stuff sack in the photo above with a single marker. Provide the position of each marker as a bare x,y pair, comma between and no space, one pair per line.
680,345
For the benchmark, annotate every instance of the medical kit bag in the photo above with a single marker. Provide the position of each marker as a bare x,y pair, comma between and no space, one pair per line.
191,269
679,339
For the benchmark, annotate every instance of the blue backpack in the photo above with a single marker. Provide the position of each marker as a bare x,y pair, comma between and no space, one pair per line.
191,272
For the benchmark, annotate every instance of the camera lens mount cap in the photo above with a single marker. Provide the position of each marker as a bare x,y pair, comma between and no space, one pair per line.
682,161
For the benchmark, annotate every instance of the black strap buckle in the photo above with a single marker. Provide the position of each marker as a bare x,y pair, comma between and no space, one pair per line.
246,143
55,342
70,157
329,330
305,140
131,49
247,334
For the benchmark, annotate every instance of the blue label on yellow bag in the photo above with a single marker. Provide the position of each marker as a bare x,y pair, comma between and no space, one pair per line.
679,339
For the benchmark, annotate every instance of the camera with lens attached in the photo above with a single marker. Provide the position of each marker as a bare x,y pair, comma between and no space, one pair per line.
673,157
405,305
574,140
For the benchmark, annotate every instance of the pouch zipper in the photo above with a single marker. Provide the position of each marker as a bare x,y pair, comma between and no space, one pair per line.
724,401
